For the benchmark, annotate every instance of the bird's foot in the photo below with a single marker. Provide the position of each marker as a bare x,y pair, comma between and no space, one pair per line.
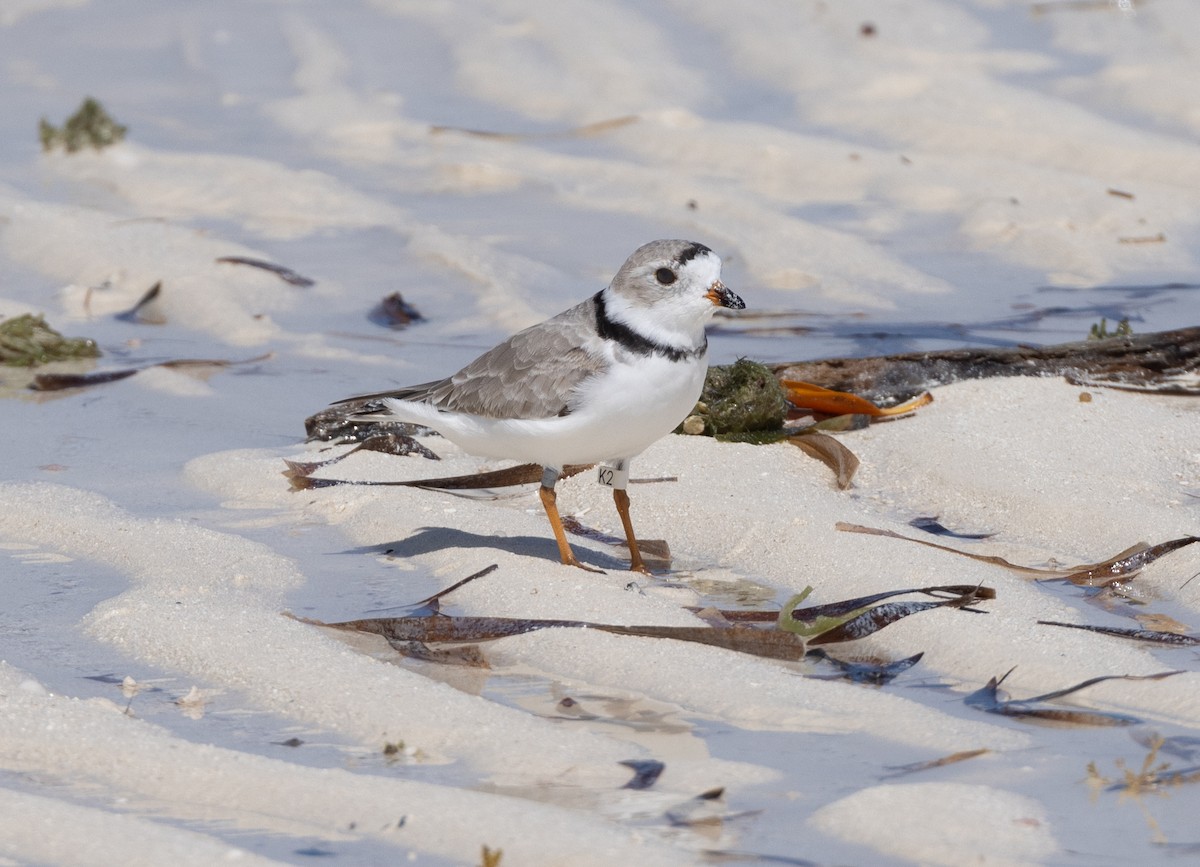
586,568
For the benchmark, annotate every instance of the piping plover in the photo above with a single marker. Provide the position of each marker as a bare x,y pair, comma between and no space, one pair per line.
597,383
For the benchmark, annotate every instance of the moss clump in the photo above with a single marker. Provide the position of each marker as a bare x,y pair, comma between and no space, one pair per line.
739,398
1100,329
27,341
91,126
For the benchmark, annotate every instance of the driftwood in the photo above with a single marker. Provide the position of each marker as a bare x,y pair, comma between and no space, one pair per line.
1165,362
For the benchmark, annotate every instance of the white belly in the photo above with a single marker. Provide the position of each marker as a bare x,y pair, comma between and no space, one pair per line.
619,415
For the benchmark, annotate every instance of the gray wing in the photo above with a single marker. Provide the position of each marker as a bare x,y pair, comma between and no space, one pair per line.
533,374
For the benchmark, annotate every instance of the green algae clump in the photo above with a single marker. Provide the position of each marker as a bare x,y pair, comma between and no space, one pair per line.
27,341
739,399
91,126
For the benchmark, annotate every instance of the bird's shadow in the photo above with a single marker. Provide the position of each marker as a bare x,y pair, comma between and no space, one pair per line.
429,539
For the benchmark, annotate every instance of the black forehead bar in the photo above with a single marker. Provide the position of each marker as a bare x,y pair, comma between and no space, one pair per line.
690,252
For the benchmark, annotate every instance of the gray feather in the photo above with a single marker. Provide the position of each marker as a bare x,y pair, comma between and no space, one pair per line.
533,374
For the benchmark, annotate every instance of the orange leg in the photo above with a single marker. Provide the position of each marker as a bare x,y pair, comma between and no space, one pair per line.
622,500
550,504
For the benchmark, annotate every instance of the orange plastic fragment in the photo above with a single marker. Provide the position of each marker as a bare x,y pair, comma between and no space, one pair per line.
825,400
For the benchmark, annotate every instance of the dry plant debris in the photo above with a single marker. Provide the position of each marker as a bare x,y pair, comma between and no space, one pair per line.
806,395
1153,636
396,313
991,700
287,275
1165,362
148,309
952,759
1154,776
1118,568
199,367
785,635
645,773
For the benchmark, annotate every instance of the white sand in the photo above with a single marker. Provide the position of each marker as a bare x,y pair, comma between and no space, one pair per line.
206,603
941,170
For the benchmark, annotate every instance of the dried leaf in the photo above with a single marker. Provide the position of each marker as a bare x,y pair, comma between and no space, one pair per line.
1125,564
769,643
59,381
952,759
645,773
147,311
872,671
990,700
851,615
1059,693
830,452
826,401
394,312
996,561
872,620
843,620
285,274
1172,639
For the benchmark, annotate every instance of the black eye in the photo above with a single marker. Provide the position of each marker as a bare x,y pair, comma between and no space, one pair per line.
665,276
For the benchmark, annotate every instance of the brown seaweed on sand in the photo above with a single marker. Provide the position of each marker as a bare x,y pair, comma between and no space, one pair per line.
1115,569
394,312
201,367
770,634
285,274
1151,636
1165,362
991,700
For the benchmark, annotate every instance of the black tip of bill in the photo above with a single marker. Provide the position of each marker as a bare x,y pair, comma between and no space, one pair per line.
723,296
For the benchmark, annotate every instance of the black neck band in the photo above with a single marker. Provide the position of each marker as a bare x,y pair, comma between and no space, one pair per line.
636,343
